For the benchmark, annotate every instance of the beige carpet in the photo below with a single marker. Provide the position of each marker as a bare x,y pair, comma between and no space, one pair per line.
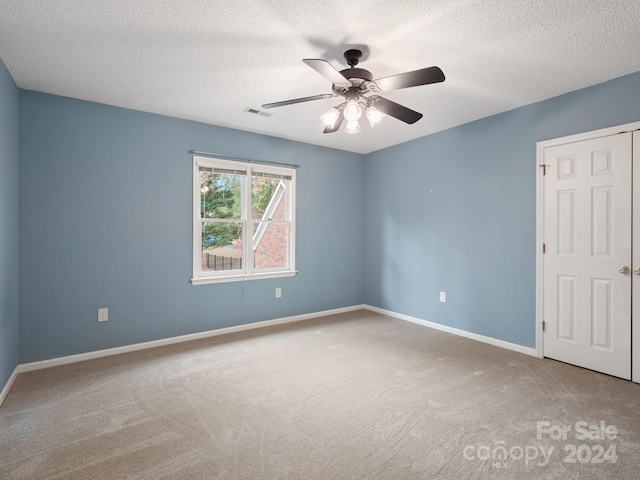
353,396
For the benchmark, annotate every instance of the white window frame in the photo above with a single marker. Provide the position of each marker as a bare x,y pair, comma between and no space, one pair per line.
247,272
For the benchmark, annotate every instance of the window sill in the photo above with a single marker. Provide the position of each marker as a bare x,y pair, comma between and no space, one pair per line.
242,278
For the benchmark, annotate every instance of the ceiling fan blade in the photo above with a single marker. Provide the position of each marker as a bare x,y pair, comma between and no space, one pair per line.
298,100
336,127
325,69
398,111
410,79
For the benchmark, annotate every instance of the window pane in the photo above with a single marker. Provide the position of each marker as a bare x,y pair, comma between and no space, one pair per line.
219,195
270,244
268,199
221,246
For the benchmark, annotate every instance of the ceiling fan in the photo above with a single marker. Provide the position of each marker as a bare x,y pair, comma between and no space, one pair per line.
360,90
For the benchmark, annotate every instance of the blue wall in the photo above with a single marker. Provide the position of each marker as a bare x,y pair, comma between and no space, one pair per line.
105,221
456,212
8,225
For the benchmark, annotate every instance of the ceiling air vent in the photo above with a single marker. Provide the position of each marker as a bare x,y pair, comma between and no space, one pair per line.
253,111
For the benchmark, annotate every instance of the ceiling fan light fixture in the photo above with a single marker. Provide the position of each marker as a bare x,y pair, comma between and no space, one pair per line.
356,85
374,115
352,126
352,110
330,118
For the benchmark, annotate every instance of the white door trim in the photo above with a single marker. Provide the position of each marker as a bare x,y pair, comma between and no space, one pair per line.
635,289
540,147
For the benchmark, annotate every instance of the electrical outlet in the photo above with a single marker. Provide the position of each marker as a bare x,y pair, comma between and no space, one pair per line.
443,297
103,314
278,292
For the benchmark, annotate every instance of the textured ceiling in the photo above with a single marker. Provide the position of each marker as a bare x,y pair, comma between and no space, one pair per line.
209,60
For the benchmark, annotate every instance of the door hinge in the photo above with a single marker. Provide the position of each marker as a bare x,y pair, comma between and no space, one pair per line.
544,169
543,325
544,248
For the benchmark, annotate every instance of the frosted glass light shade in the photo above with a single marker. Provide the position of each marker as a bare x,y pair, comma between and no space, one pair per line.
352,111
330,118
374,115
352,126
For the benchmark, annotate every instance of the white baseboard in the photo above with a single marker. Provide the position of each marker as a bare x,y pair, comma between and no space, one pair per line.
8,385
54,362
456,331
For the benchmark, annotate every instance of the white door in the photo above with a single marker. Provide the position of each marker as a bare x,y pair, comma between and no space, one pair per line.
587,260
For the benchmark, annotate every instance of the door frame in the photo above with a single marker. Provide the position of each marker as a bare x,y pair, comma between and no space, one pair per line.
540,148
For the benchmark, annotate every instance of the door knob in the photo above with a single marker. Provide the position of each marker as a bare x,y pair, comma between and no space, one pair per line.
636,270
624,269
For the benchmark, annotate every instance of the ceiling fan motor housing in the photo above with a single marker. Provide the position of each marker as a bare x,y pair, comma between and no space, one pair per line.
357,73
353,57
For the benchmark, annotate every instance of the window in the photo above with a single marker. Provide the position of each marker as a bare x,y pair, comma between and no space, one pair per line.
243,221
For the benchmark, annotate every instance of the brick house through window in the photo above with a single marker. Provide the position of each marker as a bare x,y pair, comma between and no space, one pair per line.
270,239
